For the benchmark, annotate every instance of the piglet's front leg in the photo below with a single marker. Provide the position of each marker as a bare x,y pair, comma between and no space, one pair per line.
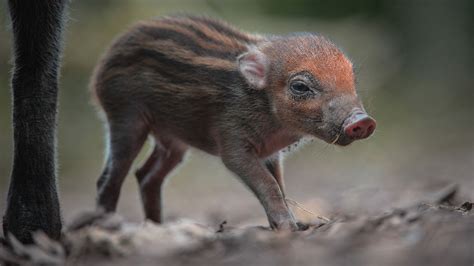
245,163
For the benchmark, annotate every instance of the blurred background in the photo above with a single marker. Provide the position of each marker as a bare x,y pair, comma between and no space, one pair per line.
415,67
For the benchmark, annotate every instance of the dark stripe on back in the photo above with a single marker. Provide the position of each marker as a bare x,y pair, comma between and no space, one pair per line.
175,71
224,29
203,36
186,42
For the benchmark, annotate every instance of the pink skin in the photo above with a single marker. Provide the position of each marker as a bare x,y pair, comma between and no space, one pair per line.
359,125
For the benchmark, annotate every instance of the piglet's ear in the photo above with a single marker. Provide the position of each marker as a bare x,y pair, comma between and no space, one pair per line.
254,67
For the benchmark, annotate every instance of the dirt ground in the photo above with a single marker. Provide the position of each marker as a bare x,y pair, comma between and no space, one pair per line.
371,205
438,229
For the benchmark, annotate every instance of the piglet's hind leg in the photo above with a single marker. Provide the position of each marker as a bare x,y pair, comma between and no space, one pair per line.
124,142
166,155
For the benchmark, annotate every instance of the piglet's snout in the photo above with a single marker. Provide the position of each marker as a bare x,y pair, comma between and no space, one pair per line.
359,125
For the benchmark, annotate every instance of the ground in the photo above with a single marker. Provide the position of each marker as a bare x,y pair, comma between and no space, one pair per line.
436,230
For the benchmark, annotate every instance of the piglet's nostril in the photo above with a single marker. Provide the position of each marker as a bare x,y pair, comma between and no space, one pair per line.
359,126
370,130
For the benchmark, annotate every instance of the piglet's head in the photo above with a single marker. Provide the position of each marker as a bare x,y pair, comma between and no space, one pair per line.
311,87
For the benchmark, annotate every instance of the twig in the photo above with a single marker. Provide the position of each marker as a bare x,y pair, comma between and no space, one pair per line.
299,206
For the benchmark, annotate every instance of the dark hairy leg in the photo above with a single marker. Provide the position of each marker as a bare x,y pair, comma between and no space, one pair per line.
33,202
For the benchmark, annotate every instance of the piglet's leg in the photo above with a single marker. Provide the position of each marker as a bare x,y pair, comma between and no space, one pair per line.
164,158
243,161
273,165
125,141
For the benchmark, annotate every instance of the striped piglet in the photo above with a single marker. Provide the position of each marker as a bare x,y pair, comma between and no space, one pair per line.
198,82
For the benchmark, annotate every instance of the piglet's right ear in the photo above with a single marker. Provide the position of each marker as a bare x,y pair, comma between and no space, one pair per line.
254,67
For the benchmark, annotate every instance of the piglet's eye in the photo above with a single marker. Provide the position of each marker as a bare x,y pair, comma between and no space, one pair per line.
298,88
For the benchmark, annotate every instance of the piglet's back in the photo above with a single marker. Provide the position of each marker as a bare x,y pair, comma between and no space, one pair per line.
171,54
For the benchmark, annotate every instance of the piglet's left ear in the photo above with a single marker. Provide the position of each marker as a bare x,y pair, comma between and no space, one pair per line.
254,67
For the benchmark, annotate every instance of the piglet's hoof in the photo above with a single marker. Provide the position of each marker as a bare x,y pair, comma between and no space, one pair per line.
287,225
302,226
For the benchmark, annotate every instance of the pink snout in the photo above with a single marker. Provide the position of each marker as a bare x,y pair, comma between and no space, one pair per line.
359,126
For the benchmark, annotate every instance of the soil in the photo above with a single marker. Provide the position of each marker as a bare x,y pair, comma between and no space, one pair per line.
438,229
